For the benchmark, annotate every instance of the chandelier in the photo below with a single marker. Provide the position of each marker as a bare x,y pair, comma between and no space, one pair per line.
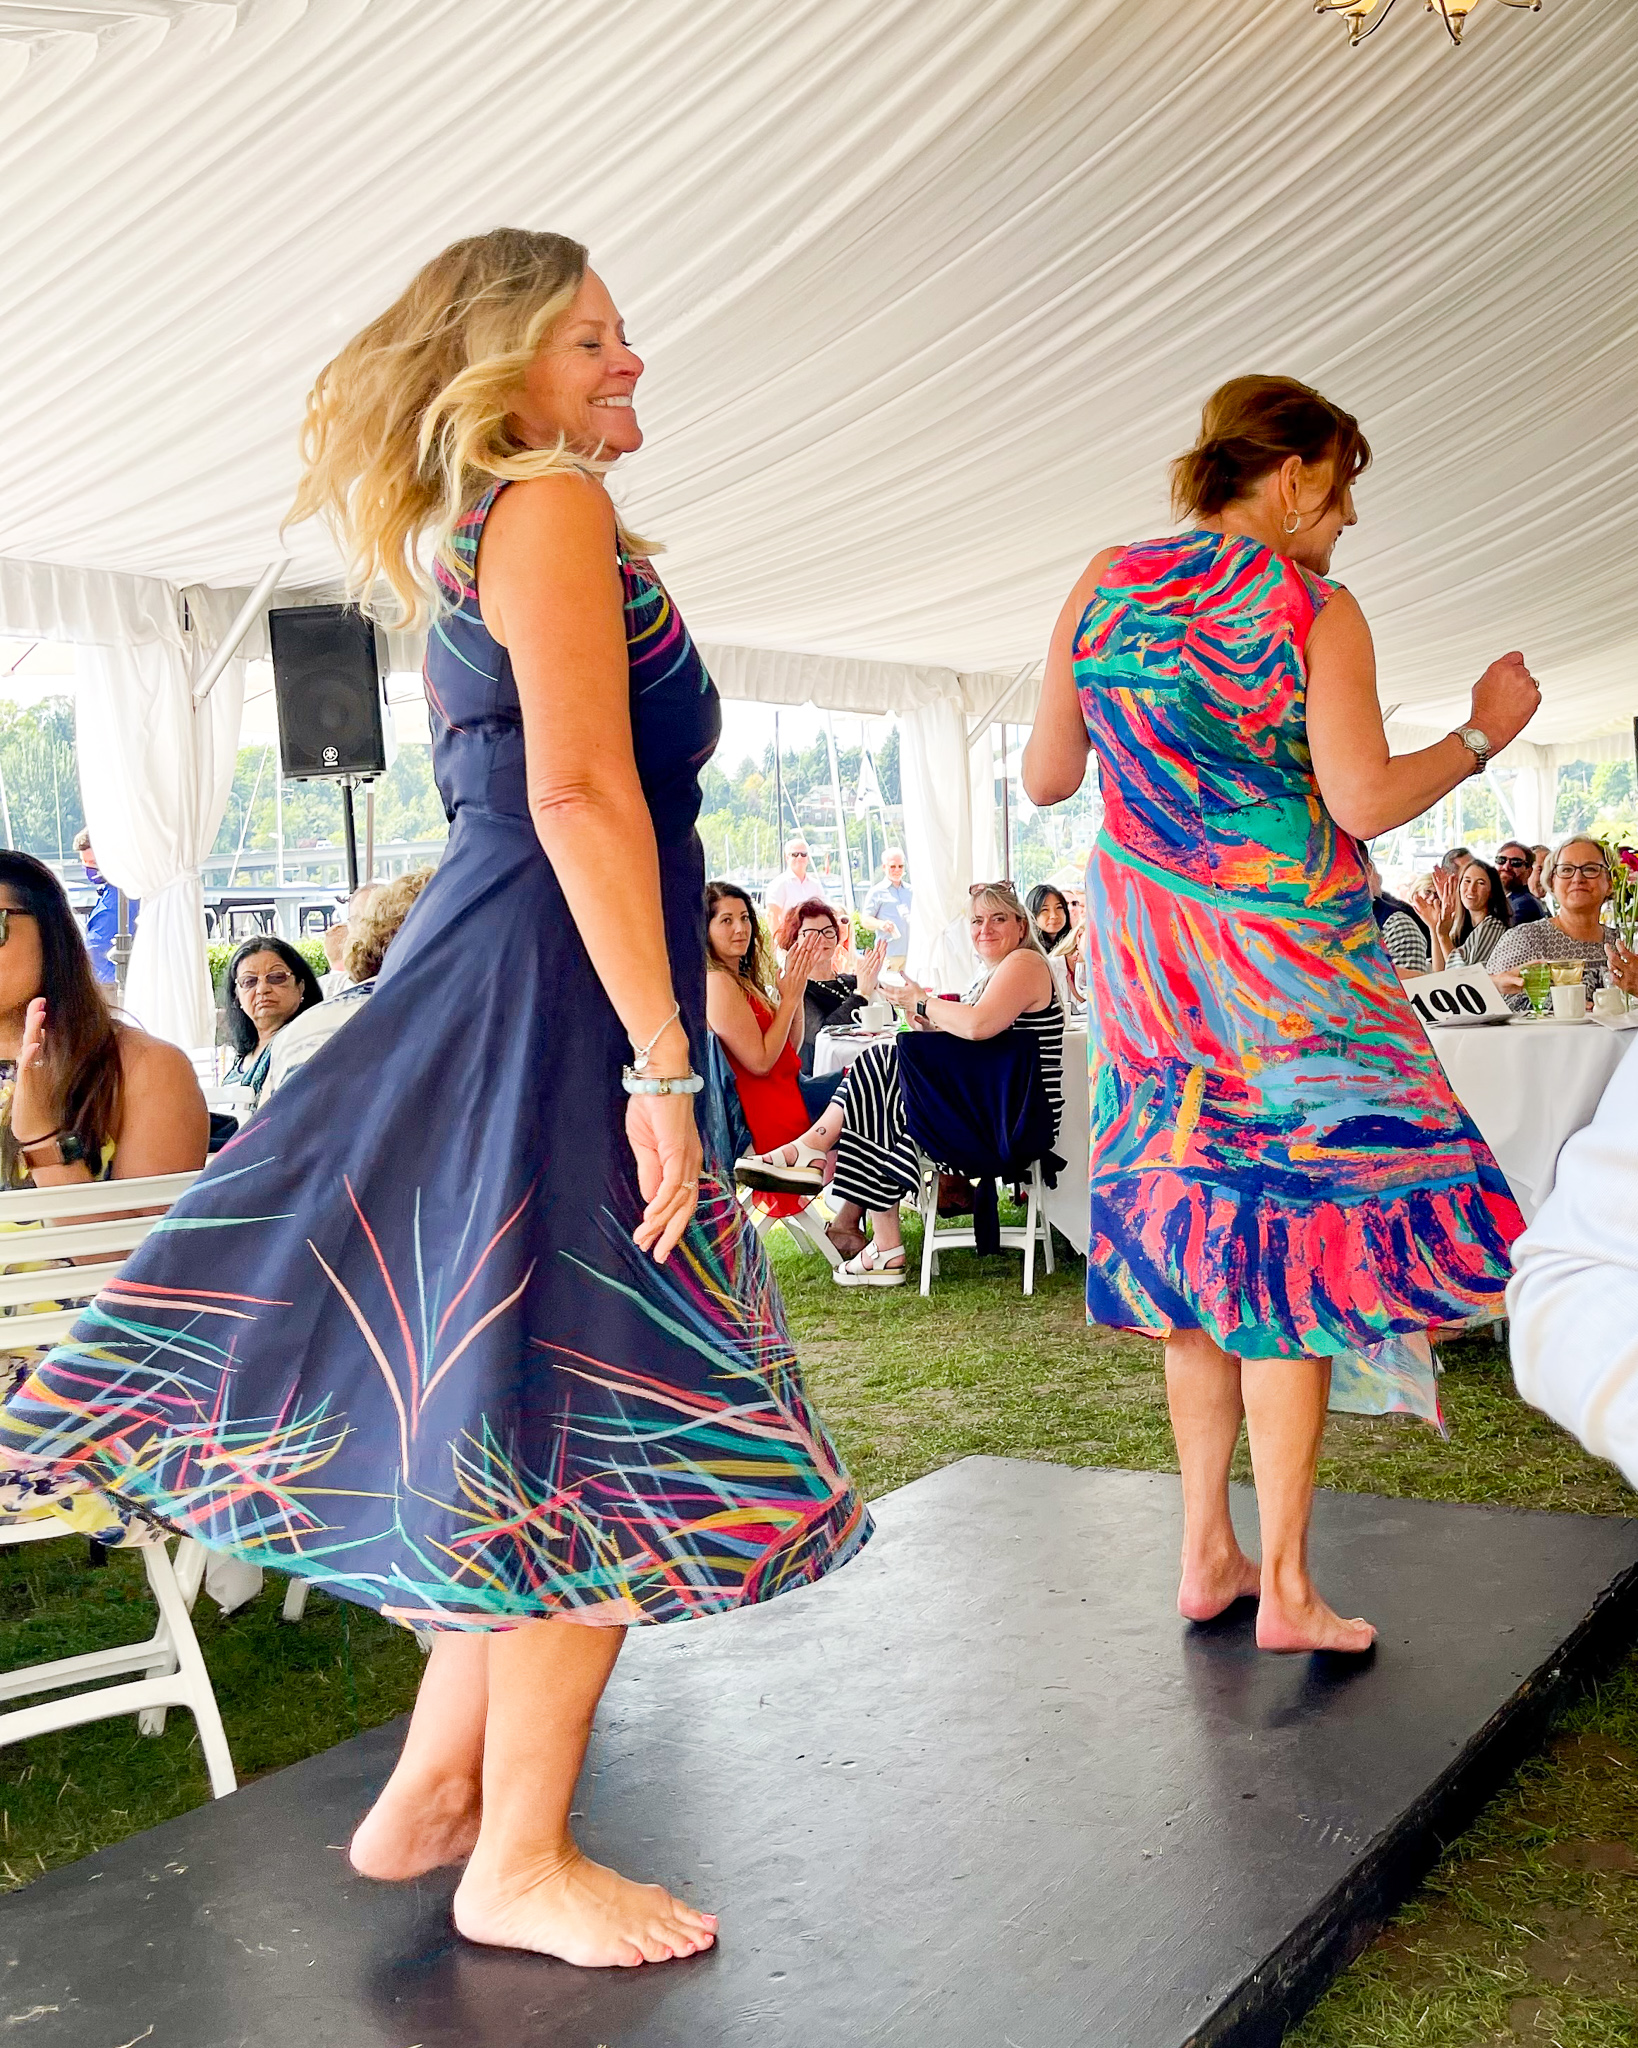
1364,17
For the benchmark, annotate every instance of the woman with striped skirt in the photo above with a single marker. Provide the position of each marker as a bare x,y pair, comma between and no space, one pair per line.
876,1163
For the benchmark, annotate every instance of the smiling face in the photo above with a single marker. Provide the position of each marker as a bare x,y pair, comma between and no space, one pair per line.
996,930
1052,916
1514,863
580,387
1474,890
729,932
1575,891
894,867
796,861
269,994
1320,524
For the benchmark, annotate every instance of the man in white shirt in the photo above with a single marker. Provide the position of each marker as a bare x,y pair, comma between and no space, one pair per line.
1573,1300
887,907
793,886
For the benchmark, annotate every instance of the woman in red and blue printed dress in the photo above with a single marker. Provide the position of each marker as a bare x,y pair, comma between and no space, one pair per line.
1284,1188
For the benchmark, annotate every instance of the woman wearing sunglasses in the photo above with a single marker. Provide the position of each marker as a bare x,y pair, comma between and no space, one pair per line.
267,983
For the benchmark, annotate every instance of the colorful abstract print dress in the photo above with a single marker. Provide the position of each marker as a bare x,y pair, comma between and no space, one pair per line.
398,1339
1277,1157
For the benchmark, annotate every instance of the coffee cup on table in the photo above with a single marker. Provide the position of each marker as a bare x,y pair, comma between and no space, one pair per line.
1570,1002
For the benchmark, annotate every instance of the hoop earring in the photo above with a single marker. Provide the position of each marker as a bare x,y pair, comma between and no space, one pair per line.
1293,519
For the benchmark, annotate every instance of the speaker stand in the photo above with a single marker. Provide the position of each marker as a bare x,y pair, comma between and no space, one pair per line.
351,833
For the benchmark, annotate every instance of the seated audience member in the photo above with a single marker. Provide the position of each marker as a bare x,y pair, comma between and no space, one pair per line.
758,1015
267,983
84,1096
1456,858
1538,873
370,932
102,924
876,1165
1474,915
1060,938
1579,878
1572,1303
1515,862
1402,934
830,999
336,936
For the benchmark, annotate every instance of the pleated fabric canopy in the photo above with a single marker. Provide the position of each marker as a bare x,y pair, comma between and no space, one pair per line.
929,290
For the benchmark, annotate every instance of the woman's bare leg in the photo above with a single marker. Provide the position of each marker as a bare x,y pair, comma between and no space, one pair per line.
886,1231
1203,1392
528,1885
1285,1418
428,1810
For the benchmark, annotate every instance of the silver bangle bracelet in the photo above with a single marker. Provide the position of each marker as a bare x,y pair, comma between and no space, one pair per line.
647,1084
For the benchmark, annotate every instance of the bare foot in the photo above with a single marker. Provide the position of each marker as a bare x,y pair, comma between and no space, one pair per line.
412,1829
1212,1585
1304,1622
582,1912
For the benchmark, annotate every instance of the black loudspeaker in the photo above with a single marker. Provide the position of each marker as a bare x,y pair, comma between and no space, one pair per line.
327,669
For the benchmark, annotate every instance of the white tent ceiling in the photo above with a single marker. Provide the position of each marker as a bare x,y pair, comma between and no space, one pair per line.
929,290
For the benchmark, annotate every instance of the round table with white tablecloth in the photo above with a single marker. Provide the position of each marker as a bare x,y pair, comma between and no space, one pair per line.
838,1047
1527,1086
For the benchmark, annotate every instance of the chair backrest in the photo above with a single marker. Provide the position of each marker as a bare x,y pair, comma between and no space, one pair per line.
977,1105
41,1299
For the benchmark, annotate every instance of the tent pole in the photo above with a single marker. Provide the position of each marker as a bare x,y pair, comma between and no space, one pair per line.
243,620
1006,811
350,830
779,799
841,822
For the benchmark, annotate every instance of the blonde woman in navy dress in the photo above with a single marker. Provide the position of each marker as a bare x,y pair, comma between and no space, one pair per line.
462,1325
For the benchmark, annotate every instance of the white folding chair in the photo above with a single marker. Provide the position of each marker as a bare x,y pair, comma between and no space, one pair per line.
964,1238
803,1226
173,1670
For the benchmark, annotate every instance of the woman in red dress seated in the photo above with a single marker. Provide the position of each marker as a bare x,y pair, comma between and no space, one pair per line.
756,1012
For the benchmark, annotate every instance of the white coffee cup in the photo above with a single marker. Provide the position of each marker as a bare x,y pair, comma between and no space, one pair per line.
1570,1004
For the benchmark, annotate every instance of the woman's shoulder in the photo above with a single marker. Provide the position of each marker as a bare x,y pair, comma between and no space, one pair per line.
141,1054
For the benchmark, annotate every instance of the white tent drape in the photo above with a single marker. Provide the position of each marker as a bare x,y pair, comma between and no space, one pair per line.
155,773
935,777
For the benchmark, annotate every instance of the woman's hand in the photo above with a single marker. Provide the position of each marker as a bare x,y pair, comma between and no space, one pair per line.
870,967
35,1112
1505,699
1623,963
797,972
1446,883
665,1142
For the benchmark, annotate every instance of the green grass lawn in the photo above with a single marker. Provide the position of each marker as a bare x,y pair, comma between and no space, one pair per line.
1527,1932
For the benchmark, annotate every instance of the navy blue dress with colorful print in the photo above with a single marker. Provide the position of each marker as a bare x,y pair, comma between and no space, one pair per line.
398,1339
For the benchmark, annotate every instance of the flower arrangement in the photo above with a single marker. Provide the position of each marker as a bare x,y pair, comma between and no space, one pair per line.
1623,907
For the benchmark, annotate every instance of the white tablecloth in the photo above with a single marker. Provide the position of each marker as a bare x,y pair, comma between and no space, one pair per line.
832,1050
1528,1087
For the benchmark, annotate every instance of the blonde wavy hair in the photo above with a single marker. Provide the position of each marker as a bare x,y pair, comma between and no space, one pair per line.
407,427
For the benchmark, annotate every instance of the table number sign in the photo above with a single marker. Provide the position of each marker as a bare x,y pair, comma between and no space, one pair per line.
1457,995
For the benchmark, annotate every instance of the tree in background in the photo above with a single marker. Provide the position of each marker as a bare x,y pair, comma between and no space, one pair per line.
407,805
40,777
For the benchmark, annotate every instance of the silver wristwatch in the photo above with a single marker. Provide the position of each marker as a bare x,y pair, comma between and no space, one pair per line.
1477,744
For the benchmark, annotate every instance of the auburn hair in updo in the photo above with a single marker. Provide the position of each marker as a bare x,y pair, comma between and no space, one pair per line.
1249,427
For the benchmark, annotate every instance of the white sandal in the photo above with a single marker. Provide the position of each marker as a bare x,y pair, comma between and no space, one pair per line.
863,1269
770,1171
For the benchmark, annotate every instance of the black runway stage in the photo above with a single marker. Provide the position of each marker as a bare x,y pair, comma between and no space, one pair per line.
982,1790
